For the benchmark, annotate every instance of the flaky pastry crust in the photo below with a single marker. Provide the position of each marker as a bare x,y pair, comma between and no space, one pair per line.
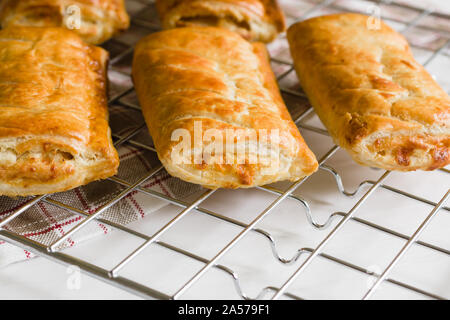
256,20
376,101
214,76
99,19
54,132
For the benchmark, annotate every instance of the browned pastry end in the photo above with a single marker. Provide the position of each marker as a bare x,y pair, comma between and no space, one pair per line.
256,20
54,132
214,77
375,99
99,19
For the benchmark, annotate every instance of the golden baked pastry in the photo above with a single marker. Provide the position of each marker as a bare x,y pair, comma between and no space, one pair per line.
377,102
54,132
256,20
213,78
98,20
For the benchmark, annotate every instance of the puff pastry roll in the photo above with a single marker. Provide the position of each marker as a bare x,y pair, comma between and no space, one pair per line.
212,80
256,20
54,132
94,20
376,101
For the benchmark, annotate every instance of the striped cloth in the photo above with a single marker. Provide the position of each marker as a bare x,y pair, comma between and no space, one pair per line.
45,223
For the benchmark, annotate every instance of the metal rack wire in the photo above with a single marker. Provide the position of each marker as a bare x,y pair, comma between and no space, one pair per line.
113,276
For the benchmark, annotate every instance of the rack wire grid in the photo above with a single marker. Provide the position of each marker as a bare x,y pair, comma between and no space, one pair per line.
114,277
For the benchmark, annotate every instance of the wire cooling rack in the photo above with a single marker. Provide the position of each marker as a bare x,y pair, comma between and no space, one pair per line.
334,224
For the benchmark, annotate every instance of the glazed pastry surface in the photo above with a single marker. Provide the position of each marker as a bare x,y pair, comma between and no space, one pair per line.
256,20
375,99
213,77
99,19
54,132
